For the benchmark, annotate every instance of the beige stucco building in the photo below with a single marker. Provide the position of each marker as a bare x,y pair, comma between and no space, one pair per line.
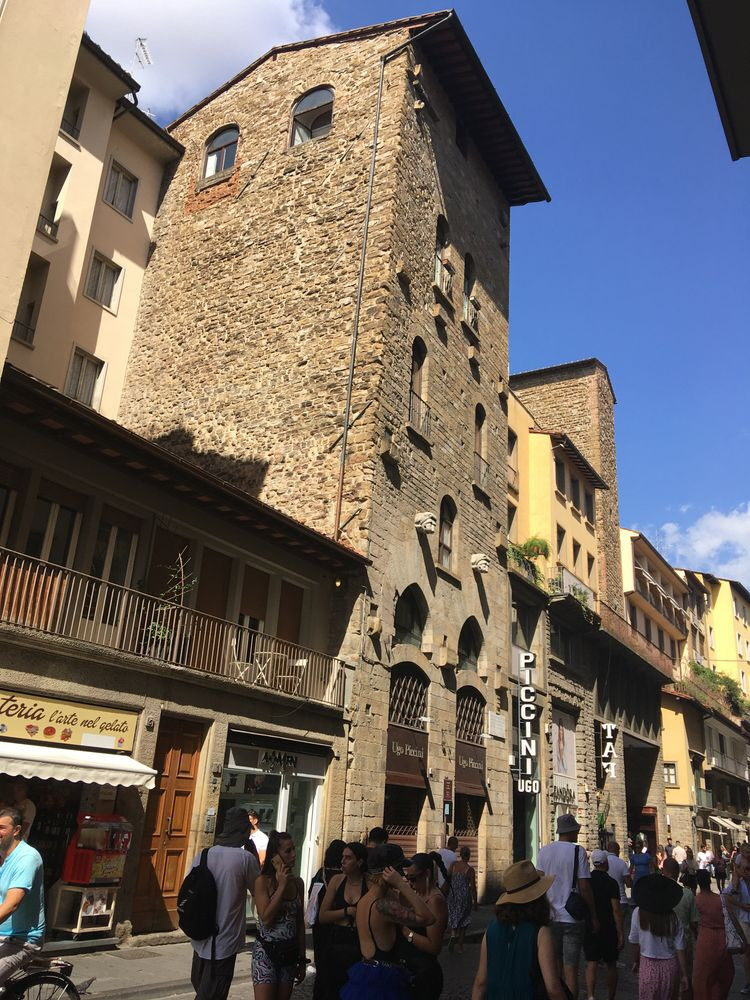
35,88
90,235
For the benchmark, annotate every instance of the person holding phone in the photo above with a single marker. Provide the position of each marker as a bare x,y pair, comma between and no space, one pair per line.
279,951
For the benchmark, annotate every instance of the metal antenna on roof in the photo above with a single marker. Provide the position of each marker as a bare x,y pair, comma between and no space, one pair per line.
142,53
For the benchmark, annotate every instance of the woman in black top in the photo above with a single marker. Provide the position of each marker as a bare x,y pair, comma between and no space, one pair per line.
422,945
337,914
320,932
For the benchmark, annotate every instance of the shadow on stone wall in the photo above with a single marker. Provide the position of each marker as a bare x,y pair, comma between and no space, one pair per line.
246,474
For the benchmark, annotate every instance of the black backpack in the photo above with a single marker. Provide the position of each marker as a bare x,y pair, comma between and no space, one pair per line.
196,903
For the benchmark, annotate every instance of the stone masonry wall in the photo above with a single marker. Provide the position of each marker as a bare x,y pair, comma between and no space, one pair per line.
240,362
578,400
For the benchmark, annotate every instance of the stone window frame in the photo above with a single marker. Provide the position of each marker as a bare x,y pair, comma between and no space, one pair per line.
290,143
222,175
447,539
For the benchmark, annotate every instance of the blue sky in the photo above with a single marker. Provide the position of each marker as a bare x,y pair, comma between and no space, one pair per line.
638,259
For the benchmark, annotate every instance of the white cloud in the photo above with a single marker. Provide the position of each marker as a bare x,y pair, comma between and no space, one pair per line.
716,541
196,45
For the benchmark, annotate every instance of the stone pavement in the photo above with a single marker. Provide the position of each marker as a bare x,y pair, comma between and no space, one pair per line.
163,971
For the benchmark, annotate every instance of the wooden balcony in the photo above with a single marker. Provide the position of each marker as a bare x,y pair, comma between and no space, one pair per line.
62,602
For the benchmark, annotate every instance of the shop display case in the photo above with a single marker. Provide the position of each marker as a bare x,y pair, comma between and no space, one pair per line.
96,852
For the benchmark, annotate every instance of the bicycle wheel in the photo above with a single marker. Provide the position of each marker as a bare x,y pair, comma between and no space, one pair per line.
46,986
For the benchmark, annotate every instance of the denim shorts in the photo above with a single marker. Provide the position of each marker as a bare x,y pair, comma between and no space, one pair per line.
568,940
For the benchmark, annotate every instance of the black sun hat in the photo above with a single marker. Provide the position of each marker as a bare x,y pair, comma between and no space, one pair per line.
657,893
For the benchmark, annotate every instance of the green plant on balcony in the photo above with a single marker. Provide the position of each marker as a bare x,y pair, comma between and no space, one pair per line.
723,686
524,554
580,595
180,582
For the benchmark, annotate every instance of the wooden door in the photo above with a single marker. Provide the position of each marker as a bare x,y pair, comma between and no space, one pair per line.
164,858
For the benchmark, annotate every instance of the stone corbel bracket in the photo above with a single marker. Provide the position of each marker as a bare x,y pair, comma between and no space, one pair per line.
480,563
426,522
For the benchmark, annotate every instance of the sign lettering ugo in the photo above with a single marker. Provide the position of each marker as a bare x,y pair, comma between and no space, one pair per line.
528,744
48,720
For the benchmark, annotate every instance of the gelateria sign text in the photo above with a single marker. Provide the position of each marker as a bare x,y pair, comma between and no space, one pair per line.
48,720
528,744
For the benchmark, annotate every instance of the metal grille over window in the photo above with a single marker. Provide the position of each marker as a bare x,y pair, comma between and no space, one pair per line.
313,116
408,701
469,716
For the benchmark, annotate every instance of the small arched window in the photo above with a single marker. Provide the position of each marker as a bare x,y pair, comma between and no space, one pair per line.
442,242
418,359
221,151
408,696
470,706
479,421
469,646
312,116
420,416
409,618
470,277
446,539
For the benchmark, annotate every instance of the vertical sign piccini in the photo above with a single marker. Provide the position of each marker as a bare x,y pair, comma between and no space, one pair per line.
528,744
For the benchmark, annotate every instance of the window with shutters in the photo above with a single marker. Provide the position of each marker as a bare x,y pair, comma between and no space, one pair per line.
408,697
120,189
104,281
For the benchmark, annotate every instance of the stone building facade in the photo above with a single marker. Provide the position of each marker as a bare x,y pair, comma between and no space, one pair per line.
241,362
602,672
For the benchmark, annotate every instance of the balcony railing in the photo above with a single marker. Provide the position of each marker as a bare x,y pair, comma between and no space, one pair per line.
704,798
512,478
722,760
420,415
23,332
46,226
70,128
471,315
527,567
565,582
621,629
481,471
61,602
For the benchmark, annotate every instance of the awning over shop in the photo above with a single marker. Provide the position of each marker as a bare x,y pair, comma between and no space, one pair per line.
91,766
728,824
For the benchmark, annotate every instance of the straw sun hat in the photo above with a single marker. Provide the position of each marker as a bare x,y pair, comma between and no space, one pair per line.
523,883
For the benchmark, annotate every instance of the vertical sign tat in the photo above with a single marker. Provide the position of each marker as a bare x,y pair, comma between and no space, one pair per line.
609,757
528,748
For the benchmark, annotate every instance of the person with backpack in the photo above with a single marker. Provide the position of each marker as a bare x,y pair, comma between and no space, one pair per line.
570,896
211,906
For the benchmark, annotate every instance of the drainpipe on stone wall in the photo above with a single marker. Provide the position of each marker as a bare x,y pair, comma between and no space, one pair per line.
385,58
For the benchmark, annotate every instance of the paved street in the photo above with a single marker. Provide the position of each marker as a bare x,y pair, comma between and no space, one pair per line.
162,972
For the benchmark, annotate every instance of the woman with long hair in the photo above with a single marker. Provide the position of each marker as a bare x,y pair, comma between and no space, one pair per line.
518,959
338,913
321,933
279,950
713,968
380,975
422,945
658,939
462,897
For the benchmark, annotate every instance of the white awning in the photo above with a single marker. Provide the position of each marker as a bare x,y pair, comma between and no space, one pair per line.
720,821
91,766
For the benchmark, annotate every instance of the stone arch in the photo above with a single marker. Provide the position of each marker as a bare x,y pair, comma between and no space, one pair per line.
408,695
471,706
410,617
471,652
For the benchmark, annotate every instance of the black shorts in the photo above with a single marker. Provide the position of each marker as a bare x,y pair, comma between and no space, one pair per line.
601,947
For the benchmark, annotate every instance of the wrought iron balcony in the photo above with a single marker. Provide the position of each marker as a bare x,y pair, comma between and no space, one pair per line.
481,471
565,582
420,415
46,226
23,332
51,599
714,758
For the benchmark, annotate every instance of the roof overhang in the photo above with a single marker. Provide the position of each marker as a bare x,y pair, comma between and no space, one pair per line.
145,132
723,30
48,411
121,82
587,470
460,71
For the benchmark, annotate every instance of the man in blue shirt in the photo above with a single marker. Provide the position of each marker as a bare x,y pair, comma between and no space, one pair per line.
21,896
